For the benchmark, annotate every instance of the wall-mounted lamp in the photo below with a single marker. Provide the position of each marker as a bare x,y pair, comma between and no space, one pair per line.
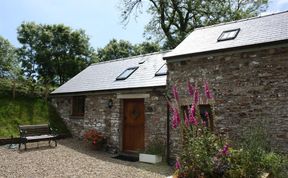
110,103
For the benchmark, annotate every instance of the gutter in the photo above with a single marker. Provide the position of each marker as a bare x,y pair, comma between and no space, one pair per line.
109,91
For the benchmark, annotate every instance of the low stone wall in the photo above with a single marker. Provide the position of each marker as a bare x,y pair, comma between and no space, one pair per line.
249,88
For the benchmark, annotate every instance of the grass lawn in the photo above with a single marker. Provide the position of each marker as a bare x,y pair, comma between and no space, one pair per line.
26,110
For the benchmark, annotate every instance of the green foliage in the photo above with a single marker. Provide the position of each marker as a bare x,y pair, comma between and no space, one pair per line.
254,157
48,49
276,164
146,47
121,49
173,20
201,154
26,110
22,87
155,147
9,65
114,50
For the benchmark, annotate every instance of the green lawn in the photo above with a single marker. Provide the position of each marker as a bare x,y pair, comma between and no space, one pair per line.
26,110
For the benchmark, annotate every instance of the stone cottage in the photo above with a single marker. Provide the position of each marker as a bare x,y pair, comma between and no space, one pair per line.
123,98
246,64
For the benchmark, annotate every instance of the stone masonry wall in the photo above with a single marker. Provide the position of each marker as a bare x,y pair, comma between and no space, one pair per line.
109,120
249,88
155,118
64,108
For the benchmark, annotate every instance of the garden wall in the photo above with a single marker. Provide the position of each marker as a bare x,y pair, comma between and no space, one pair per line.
109,120
249,88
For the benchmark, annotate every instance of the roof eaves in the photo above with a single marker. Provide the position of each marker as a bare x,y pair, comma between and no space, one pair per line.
106,91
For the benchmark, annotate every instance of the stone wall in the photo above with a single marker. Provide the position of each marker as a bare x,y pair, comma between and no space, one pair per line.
249,88
109,120
64,108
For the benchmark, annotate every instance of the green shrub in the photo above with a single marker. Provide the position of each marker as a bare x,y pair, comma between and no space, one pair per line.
155,147
276,164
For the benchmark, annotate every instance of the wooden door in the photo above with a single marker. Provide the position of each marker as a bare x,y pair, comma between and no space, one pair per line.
133,125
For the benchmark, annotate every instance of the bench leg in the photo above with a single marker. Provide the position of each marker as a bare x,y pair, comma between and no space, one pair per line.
19,146
55,142
25,146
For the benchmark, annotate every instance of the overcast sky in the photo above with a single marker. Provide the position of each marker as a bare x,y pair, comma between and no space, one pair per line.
100,19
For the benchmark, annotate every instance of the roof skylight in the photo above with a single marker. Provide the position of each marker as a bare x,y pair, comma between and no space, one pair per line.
162,70
124,75
141,61
229,35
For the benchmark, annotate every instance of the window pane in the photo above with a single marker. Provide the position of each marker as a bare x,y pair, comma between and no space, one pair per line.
124,75
204,110
78,106
228,35
232,34
162,70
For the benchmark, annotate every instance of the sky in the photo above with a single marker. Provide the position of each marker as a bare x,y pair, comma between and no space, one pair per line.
100,19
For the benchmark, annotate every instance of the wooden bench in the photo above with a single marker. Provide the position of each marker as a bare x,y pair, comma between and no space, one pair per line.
36,133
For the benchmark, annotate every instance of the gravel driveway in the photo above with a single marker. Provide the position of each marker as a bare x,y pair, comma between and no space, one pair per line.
71,159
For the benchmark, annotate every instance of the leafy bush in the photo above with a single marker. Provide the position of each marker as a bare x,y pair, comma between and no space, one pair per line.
94,137
276,164
155,147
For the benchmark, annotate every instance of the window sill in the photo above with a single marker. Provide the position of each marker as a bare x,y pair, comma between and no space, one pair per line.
76,117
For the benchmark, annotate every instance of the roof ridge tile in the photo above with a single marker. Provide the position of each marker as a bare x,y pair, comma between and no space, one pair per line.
241,20
131,57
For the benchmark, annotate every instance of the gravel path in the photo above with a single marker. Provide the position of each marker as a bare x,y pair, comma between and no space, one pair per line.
71,159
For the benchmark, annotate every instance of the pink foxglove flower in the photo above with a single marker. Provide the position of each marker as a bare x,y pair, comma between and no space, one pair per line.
193,110
207,90
177,164
190,88
175,93
207,115
175,118
196,96
225,150
192,114
204,123
195,121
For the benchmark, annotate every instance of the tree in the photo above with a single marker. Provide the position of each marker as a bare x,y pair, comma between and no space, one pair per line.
146,47
121,49
114,50
52,54
172,20
9,64
8,59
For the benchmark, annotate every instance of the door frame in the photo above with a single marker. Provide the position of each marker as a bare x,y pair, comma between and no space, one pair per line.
123,122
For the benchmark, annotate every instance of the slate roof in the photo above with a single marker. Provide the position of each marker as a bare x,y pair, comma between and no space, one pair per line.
102,76
253,31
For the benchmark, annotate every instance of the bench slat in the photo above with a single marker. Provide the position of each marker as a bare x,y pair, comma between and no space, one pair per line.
33,133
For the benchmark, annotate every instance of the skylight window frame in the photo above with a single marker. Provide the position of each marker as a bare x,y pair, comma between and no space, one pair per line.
220,38
124,78
161,74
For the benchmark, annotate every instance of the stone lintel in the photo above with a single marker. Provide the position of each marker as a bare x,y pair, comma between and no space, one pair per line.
132,96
